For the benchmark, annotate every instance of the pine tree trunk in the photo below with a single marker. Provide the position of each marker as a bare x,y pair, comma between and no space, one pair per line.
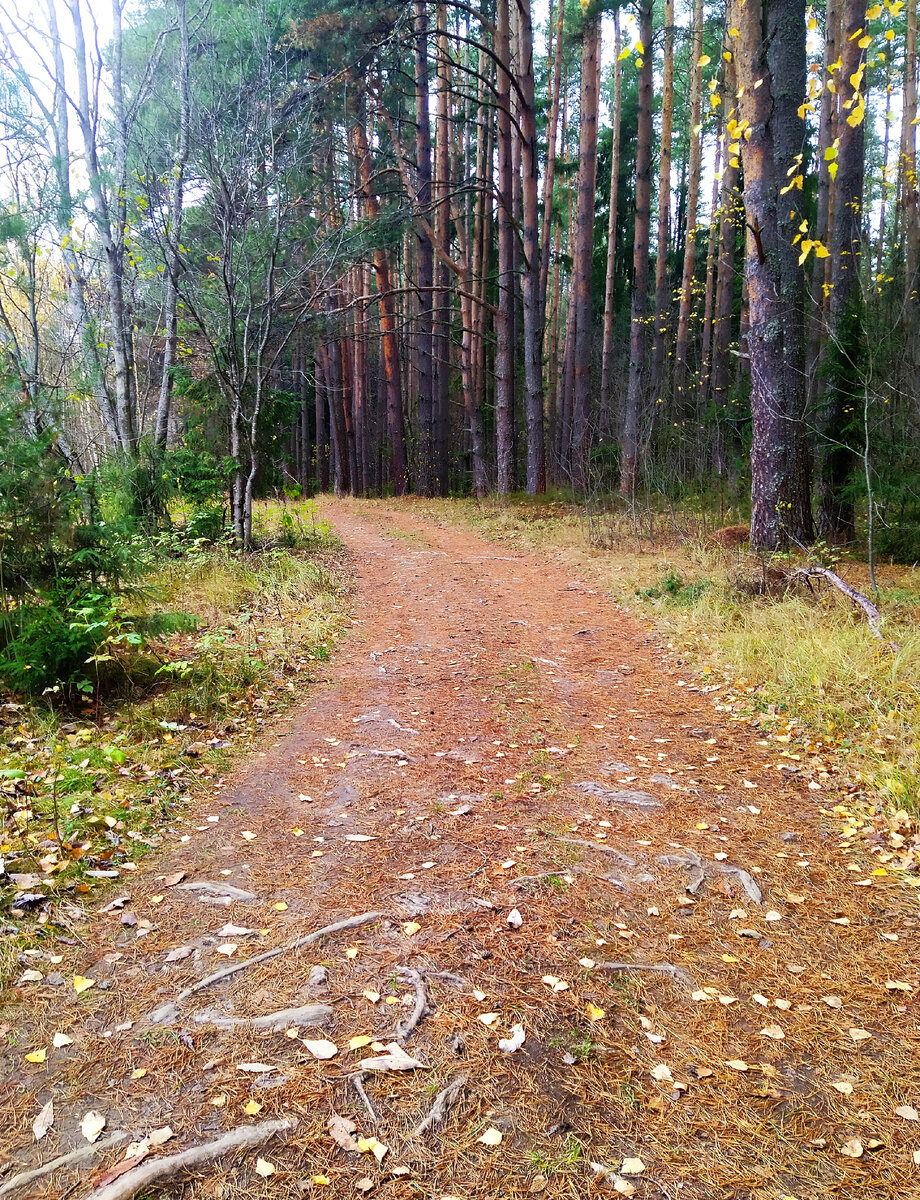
584,244
844,356
504,319
638,329
772,51
908,167
534,300
442,303
425,258
681,346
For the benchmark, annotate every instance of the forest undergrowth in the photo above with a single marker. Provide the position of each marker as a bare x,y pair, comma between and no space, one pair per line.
798,662
88,789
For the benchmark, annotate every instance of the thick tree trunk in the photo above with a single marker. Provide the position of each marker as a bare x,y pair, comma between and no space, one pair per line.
504,319
638,330
534,300
772,51
441,197
427,433
844,355
584,244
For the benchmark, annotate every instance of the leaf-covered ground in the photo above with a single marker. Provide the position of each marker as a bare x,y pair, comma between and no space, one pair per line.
608,919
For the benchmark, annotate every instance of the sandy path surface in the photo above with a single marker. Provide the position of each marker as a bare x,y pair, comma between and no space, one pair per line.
526,788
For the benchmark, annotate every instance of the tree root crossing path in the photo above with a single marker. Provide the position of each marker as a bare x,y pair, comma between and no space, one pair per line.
507,906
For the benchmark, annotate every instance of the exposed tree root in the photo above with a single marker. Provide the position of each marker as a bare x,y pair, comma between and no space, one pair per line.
357,1082
285,1018
169,1012
696,864
64,1160
677,973
611,850
443,1102
523,881
406,1025
155,1171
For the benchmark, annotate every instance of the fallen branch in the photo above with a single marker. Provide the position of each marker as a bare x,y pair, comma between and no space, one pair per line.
675,972
443,1102
406,1025
155,1170
357,1082
873,616
64,1160
170,1011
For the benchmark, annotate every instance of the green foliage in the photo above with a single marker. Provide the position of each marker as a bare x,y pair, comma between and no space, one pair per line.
672,589
69,571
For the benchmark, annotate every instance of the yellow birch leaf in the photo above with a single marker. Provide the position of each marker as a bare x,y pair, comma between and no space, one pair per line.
82,984
37,1056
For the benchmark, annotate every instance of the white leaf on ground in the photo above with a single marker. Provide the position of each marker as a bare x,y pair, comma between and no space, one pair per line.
491,1137
179,953
359,837
228,949
341,1130
30,977
43,1121
61,1039
255,1068
908,1112
853,1148
632,1166
92,1125
230,930
264,1168
514,919
774,1032
662,1072
321,1048
488,1018
515,1042
158,1137
395,1059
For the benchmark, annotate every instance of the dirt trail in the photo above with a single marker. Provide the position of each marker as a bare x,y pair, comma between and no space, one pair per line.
495,736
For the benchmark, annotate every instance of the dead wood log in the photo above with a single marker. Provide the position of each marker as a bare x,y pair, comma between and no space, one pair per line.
155,1170
443,1102
169,1012
63,1160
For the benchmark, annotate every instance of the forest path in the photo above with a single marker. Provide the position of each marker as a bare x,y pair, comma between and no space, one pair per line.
493,736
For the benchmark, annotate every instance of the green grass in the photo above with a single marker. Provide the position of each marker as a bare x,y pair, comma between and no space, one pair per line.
92,789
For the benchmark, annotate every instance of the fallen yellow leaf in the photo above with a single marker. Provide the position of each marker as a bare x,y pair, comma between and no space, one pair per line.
82,984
